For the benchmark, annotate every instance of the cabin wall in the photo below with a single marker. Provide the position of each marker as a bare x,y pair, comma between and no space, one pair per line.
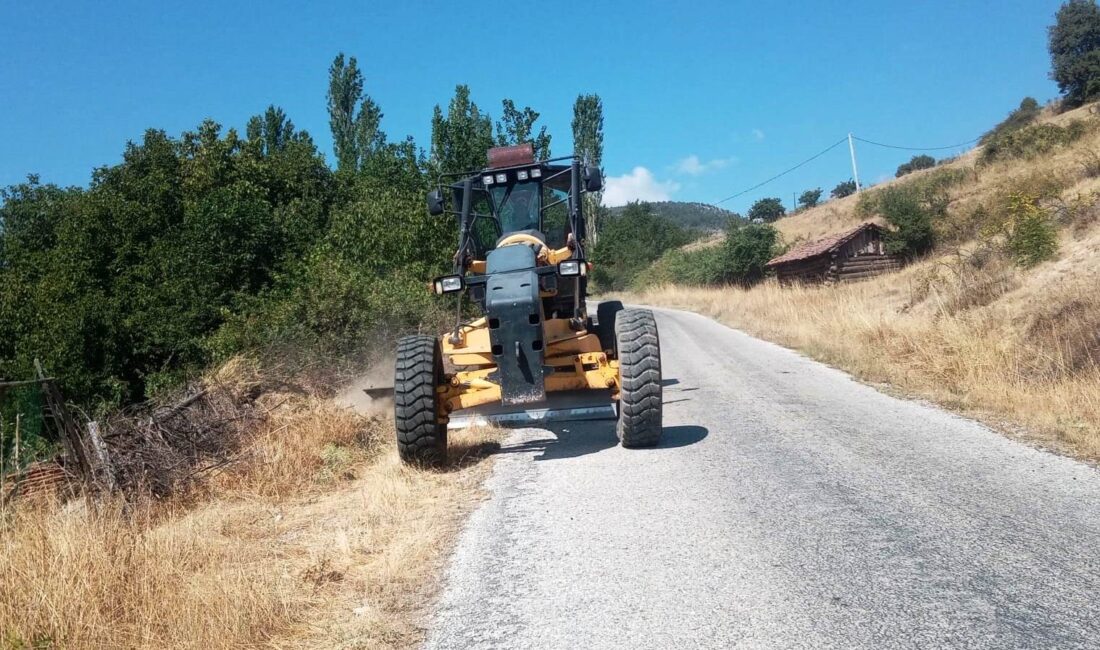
862,256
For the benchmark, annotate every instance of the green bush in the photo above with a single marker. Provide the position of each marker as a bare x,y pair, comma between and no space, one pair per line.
916,209
915,163
912,219
809,198
699,267
1025,114
1032,141
847,188
1032,237
740,259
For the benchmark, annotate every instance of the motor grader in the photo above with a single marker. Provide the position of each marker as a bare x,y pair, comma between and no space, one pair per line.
521,260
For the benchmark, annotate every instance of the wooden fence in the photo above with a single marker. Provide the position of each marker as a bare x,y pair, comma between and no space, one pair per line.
83,455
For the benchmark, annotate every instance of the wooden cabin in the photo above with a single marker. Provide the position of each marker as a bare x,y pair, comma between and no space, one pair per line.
851,255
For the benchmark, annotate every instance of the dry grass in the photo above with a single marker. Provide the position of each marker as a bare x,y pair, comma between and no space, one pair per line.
1058,173
966,329
316,537
1012,347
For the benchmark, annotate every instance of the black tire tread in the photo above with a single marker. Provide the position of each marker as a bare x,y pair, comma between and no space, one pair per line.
421,438
639,351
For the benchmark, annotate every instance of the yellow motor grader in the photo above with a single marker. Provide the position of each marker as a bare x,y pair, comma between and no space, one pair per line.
521,260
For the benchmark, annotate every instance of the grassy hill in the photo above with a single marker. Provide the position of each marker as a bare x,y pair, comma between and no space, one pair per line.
694,216
967,325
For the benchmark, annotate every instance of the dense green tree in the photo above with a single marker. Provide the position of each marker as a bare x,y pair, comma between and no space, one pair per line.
631,241
843,189
516,127
273,132
588,144
809,198
916,163
1074,44
127,277
748,247
461,139
767,209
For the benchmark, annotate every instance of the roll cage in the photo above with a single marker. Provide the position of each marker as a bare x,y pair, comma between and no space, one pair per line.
481,206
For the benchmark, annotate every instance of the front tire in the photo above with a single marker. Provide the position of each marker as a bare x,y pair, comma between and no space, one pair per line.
421,437
607,313
639,352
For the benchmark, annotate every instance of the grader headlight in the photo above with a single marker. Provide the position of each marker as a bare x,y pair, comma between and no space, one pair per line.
572,268
448,284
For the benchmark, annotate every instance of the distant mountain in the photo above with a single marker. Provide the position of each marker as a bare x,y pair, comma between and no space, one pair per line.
695,216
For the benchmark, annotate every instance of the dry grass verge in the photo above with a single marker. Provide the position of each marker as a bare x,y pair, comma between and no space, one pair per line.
967,329
315,537
1006,347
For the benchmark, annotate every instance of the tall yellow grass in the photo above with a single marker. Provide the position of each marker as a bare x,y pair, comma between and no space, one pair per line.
1014,347
316,537
1017,358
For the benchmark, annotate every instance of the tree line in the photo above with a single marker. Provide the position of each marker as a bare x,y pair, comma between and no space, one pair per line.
199,246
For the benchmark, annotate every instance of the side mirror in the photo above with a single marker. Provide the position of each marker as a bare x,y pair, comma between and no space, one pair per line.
593,179
435,202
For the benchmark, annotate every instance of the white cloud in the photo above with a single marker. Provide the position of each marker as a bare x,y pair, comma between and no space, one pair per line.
692,166
758,134
638,185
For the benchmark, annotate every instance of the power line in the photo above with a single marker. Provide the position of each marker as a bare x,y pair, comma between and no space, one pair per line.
894,146
835,145
784,173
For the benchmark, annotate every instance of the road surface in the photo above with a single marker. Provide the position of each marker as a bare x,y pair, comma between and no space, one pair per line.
789,506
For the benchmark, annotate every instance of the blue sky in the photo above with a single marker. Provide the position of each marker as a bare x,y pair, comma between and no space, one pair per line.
701,99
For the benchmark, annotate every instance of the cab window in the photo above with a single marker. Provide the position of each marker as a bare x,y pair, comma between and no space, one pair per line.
517,206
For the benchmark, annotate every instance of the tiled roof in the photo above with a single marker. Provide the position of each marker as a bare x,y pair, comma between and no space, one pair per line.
821,246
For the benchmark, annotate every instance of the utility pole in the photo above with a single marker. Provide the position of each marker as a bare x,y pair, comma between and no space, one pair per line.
855,171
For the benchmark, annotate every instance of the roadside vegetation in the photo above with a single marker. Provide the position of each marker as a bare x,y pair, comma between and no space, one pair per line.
997,314
314,535
203,300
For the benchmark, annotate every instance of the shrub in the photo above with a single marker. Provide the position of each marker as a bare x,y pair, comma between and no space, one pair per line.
846,188
1032,237
1031,141
1020,117
810,198
912,220
740,259
698,267
915,163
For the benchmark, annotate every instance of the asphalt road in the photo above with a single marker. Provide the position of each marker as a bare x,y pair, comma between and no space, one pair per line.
789,506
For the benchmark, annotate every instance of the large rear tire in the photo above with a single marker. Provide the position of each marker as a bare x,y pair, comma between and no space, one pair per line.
639,351
606,315
421,437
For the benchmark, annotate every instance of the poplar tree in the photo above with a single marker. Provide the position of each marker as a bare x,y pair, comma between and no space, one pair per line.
588,144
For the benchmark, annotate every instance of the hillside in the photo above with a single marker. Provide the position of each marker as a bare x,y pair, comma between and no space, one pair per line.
696,216
965,326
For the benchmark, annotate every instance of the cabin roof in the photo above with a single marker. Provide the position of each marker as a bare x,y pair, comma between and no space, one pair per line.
822,246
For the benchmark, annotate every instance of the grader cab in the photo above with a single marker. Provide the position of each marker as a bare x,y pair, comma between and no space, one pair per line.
521,260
